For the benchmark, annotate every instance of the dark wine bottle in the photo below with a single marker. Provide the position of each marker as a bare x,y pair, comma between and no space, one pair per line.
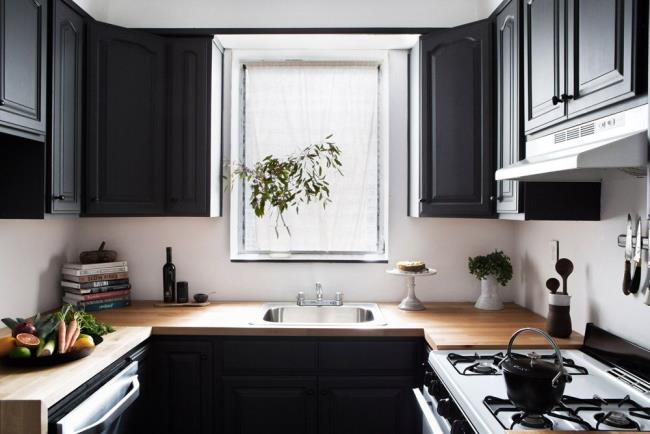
169,279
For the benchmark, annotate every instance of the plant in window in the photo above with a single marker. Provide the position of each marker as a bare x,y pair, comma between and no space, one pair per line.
280,183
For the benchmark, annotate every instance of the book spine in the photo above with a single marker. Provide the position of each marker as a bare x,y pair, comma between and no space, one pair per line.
73,272
96,277
95,266
100,290
107,305
93,302
98,296
99,284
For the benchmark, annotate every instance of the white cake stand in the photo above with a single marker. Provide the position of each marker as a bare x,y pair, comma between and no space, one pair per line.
411,302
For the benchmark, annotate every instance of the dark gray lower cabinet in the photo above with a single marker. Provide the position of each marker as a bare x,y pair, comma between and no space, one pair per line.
184,374
269,405
457,144
283,385
366,405
66,126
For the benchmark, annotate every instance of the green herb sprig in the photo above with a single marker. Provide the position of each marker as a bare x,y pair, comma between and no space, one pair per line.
278,184
495,264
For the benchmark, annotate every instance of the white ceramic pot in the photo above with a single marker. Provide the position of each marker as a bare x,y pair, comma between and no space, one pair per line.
489,298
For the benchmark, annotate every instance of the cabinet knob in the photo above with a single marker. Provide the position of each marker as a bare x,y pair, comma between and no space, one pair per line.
500,198
59,197
491,198
565,98
2,102
555,100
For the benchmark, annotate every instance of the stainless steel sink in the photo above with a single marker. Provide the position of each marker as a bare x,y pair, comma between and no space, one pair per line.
347,315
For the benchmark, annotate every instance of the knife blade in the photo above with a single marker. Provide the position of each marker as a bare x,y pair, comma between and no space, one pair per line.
636,260
627,278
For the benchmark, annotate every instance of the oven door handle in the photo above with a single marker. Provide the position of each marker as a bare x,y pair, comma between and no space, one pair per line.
114,413
433,426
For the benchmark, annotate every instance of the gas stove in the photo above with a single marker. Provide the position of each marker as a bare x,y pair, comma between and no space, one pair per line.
464,392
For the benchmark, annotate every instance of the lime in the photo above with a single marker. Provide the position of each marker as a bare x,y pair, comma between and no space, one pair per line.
20,353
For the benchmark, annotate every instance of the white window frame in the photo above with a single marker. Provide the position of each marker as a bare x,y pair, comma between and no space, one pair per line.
237,59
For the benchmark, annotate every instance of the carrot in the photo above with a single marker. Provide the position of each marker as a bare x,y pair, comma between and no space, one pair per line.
74,338
72,328
62,336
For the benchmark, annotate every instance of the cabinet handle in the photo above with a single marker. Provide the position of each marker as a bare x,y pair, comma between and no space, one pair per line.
491,198
59,197
500,198
555,100
565,98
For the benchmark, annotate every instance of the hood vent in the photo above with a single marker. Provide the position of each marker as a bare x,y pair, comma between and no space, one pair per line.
581,153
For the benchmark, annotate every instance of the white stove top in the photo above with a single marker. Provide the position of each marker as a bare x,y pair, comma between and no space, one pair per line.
469,391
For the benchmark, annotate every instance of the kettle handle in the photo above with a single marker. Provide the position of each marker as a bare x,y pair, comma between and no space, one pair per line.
558,353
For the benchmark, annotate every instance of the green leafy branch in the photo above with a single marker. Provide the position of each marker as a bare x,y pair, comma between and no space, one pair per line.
278,184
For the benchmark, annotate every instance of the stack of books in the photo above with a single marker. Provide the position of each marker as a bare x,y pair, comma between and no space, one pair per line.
94,287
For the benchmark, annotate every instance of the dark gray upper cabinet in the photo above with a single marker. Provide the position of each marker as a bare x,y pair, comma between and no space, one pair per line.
544,64
125,149
508,103
457,144
580,56
65,132
188,147
23,63
601,63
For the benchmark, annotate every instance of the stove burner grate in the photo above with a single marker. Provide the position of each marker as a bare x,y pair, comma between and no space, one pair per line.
533,421
481,368
616,419
488,364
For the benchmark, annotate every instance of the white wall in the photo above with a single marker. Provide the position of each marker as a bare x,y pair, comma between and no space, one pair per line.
592,246
288,13
31,255
201,246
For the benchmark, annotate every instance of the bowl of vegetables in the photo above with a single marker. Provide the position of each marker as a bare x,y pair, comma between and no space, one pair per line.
51,339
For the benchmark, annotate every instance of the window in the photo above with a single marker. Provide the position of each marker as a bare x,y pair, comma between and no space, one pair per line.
287,105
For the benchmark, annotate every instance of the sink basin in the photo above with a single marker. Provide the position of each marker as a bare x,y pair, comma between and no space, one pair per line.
348,315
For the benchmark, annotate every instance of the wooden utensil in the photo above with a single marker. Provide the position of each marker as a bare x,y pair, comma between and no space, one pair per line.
564,268
553,284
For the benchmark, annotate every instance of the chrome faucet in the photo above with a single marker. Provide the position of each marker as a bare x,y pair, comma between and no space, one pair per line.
319,301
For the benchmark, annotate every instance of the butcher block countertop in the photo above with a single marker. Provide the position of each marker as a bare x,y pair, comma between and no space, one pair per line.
444,325
26,394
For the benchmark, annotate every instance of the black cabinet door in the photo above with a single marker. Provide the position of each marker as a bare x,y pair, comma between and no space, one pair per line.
367,405
509,138
544,65
457,162
269,405
188,155
601,60
185,389
23,57
65,132
125,148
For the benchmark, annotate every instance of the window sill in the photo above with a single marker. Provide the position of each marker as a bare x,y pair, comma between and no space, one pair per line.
335,258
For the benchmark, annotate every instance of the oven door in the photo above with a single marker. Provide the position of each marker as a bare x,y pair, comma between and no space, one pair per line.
431,423
101,412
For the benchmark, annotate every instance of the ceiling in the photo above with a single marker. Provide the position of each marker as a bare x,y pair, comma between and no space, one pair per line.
288,13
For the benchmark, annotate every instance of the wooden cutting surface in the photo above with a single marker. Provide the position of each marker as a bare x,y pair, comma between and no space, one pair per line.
26,394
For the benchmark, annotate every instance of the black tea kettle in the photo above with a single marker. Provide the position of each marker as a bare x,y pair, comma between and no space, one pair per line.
534,385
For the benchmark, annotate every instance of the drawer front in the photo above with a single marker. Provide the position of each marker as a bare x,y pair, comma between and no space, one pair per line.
369,356
269,355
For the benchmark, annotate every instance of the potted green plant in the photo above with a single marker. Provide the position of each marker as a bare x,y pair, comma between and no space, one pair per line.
278,184
491,269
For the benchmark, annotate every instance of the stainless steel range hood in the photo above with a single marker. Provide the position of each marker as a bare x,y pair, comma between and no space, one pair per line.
581,153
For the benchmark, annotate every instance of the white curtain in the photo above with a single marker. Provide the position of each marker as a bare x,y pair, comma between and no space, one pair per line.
289,105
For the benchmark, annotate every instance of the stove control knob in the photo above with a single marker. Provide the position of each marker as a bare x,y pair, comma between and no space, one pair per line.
428,378
461,427
447,408
437,390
